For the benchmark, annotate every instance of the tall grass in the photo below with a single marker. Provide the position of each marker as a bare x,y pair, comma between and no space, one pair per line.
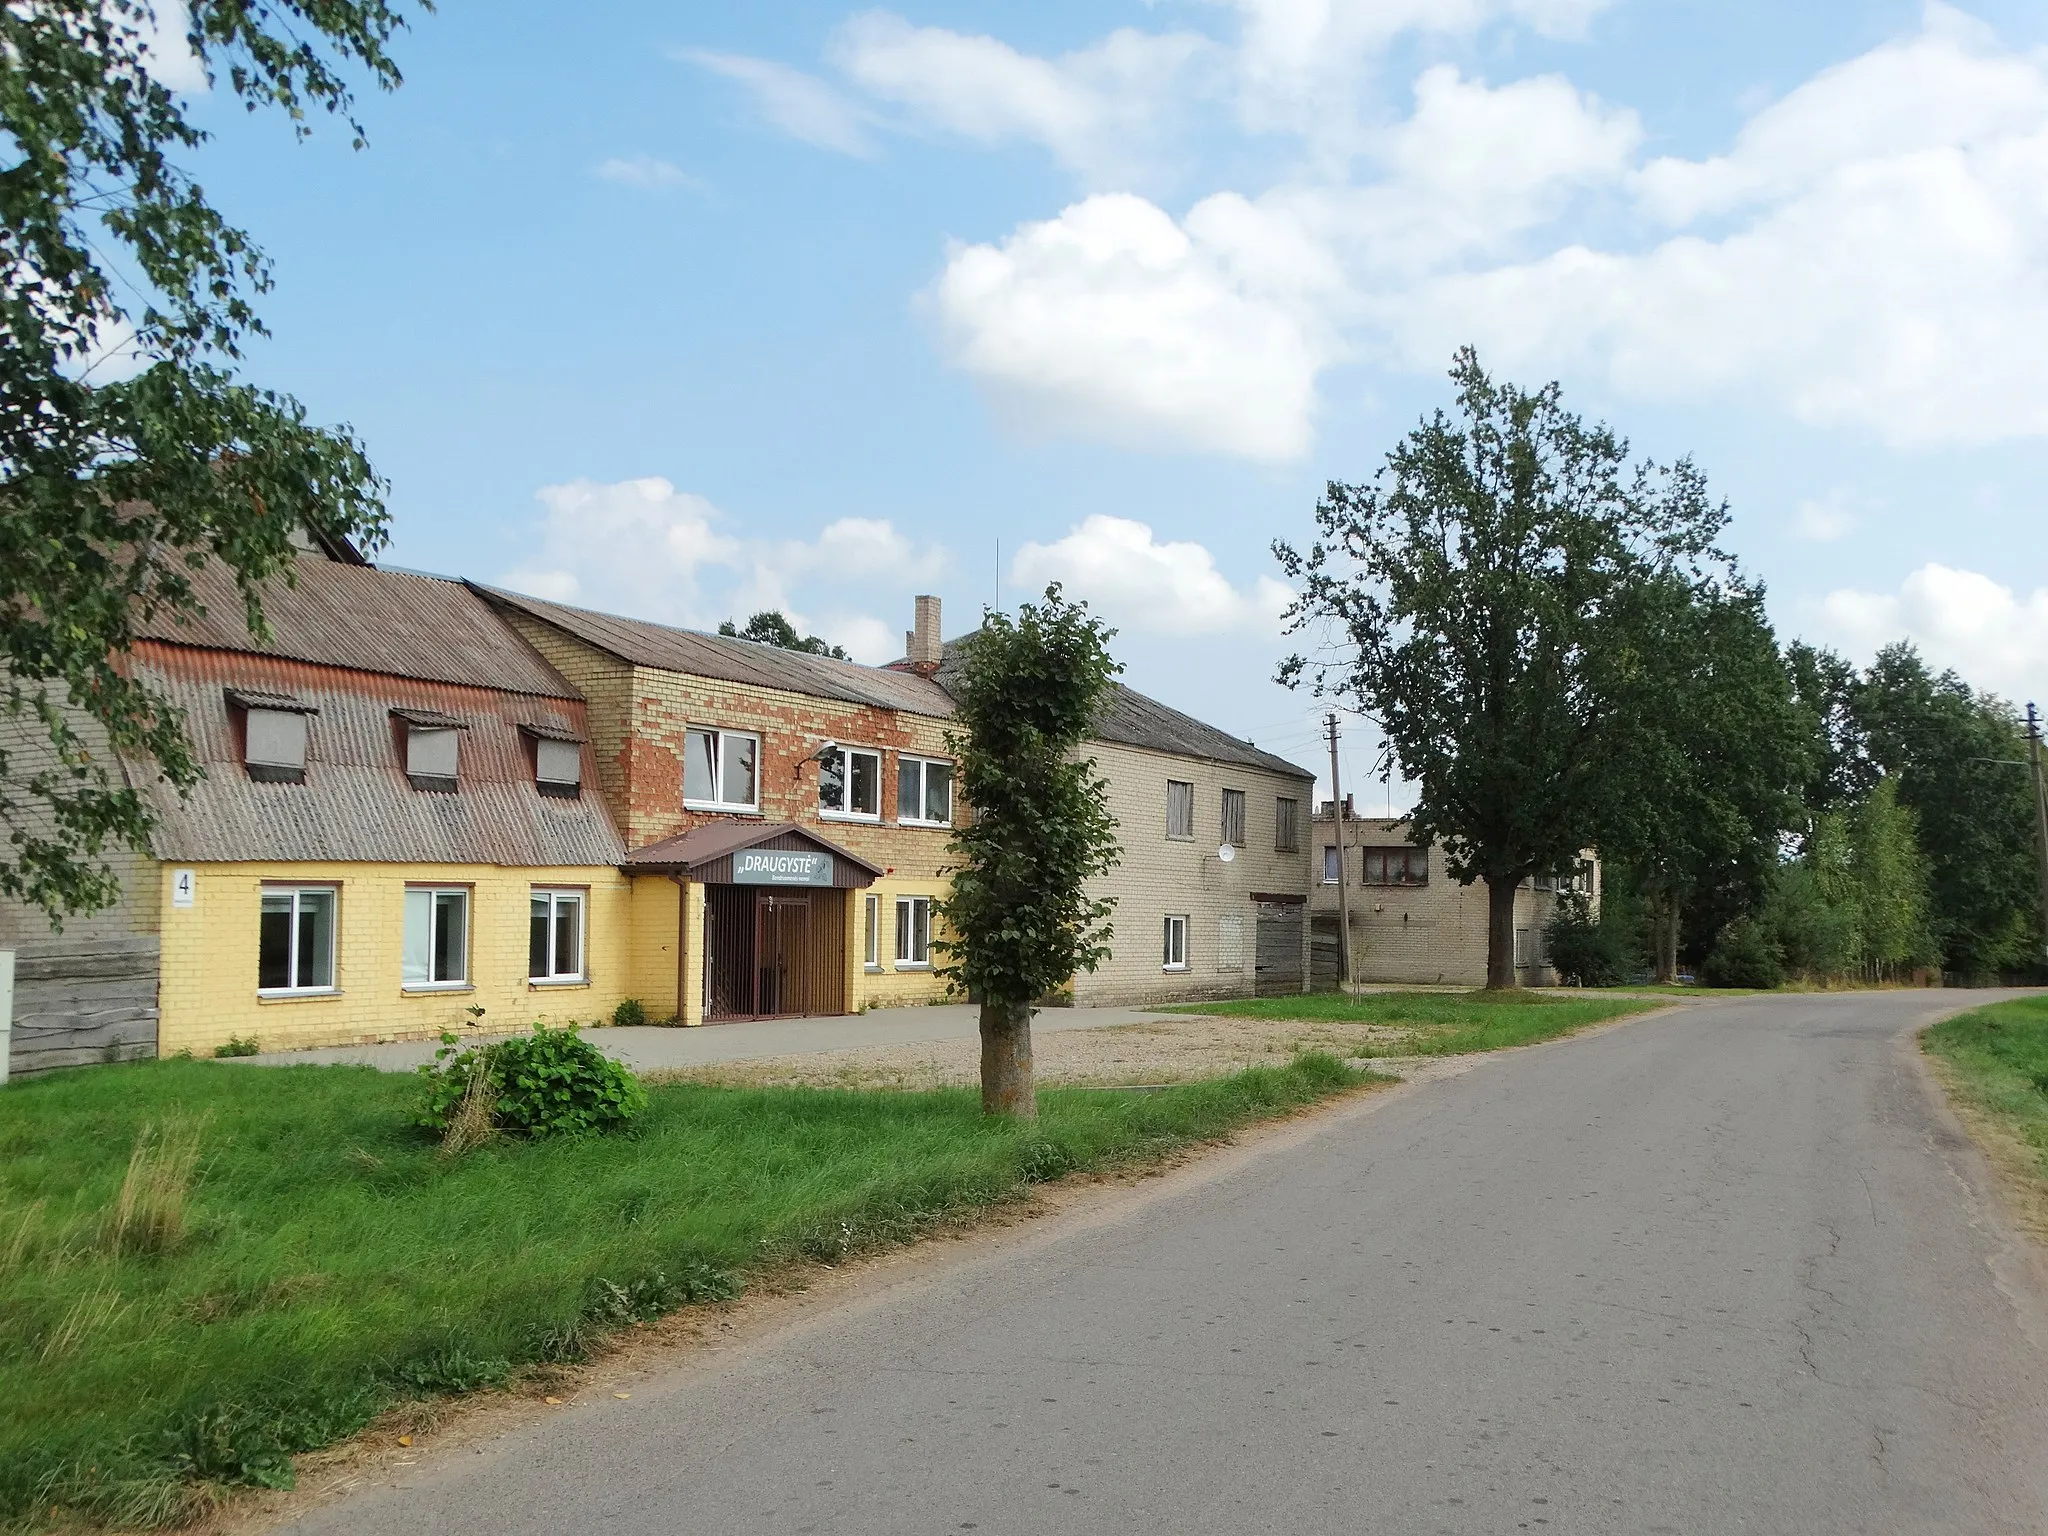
299,1258
1437,1023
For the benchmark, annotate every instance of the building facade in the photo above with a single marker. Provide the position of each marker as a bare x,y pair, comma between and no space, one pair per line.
1411,921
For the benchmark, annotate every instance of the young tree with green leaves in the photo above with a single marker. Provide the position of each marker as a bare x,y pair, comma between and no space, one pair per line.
114,488
1486,582
1890,884
1020,921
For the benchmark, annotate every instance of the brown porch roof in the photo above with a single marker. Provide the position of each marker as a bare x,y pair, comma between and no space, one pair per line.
694,852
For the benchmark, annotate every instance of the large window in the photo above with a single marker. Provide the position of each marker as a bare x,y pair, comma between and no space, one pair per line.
1286,825
554,949
850,784
1396,866
436,949
1176,957
924,792
871,951
720,771
913,931
1180,810
295,944
1233,817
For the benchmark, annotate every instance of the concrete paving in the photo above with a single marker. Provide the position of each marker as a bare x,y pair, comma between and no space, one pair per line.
648,1048
1728,1269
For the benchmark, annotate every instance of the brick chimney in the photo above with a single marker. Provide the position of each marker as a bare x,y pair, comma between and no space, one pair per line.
922,643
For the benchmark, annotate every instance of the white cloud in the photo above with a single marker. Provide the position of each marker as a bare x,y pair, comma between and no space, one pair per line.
1114,321
1137,582
167,56
801,105
1092,108
1826,518
863,637
637,546
646,172
1996,638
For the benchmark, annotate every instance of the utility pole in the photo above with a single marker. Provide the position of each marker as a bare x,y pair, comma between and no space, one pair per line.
1344,880
2040,814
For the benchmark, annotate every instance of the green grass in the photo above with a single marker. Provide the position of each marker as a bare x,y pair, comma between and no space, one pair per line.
1437,1023
333,1264
2000,1057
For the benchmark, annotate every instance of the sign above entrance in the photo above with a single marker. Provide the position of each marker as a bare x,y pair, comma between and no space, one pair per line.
774,866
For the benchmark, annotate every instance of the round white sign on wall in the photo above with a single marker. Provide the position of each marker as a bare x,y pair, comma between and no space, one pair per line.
1226,853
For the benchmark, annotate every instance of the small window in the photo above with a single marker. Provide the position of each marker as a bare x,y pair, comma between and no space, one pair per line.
1286,825
1332,868
924,792
871,952
554,950
273,735
721,770
913,931
295,942
436,947
1230,942
1180,810
1523,953
557,765
1396,866
850,784
1176,943
432,748
1233,817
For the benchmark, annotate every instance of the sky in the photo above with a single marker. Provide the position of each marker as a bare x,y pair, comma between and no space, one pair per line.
687,310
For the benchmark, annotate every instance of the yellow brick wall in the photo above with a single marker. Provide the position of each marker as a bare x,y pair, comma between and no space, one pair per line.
653,967
208,988
888,984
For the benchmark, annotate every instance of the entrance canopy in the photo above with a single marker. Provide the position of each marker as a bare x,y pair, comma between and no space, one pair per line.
750,853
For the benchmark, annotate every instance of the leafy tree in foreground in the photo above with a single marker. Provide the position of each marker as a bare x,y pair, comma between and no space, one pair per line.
1020,920
113,489
1486,581
773,628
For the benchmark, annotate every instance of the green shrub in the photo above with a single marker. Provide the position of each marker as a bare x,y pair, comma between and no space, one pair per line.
238,1045
549,1083
629,1013
1745,955
1585,950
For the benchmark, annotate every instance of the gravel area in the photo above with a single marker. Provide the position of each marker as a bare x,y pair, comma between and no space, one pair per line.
1165,1048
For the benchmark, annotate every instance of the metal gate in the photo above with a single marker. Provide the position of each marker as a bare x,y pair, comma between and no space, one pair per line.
1278,948
773,954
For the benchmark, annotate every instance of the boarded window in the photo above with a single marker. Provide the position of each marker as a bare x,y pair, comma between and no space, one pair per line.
1230,942
558,765
1286,825
277,742
1180,810
1233,817
430,756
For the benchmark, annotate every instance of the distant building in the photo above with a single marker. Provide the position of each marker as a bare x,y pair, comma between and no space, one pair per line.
1411,921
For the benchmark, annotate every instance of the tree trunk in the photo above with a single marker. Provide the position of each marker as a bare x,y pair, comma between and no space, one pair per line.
1664,930
1500,932
1006,1085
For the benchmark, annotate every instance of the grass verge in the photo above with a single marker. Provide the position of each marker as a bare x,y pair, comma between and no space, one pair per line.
1995,1059
1436,1023
205,1268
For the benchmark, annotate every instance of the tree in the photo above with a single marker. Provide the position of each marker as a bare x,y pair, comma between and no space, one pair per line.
1485,582
1891,884
1020,920
114,489
773,628
1716,778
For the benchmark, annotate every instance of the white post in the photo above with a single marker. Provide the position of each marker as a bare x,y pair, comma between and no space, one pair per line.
6,1009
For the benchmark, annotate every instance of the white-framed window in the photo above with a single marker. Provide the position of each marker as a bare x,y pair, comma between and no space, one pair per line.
850,784
1233,817
913,931
295,943
1180,810
1331,866
435,952
1286,825
721,770
554,946
1176,952
924,792
871,949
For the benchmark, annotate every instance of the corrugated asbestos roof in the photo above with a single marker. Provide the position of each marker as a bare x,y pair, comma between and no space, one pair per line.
356,803
1128,718
395,622
734,661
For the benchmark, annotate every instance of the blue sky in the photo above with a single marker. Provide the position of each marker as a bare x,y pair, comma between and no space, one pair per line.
702,308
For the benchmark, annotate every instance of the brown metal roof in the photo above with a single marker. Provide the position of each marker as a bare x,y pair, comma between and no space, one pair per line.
732,660
356,803
691,851
340,615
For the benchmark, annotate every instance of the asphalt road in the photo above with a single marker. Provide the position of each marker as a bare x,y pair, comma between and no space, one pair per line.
1725,1270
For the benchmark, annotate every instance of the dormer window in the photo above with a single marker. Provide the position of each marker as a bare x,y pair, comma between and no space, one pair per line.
432,748
273,734
557,760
